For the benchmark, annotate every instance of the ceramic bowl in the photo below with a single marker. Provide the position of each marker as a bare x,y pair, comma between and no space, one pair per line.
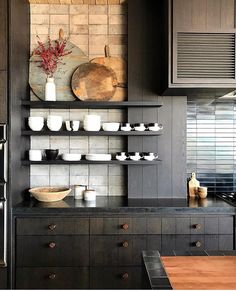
111,126
54,123
49,194
98,157
36,123
71,157
51,155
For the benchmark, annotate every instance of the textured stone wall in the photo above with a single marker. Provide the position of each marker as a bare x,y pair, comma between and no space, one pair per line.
90,27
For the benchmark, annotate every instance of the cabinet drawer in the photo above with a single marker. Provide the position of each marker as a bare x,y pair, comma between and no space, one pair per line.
3,278
52,278
52,226
117,250
47,251
118,225
116,278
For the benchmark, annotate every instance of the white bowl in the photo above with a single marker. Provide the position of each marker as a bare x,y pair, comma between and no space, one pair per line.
150,158
71,157
121,158
111,126
54,123
140,128
36,123
126,128
98,157
92,127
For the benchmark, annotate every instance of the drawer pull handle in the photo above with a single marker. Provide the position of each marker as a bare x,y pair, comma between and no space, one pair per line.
198,244
125,244
52,276
52,227
125,276
52,245
125,226
198,226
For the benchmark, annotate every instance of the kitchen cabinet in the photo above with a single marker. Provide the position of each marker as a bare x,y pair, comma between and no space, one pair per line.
3,96
191,50
50,250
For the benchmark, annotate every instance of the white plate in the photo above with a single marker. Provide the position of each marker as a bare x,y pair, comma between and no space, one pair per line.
71,157
98,157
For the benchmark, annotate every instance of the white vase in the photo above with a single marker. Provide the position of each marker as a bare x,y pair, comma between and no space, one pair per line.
50,90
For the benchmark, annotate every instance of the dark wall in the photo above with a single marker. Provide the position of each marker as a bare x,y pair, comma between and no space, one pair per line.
168,179
211,143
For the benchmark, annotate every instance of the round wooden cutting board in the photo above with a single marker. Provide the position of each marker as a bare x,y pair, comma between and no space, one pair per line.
94,82
119,66
37,78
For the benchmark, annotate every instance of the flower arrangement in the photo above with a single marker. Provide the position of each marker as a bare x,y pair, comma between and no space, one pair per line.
51,54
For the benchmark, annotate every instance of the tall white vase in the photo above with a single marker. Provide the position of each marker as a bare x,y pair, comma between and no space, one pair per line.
50,90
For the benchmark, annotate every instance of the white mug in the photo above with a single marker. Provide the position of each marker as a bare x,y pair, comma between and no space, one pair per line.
90,195
54,123
72,125
35,155
79,191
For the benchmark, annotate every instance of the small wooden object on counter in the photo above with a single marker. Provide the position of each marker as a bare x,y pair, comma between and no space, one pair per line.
193,185
202,192
119,66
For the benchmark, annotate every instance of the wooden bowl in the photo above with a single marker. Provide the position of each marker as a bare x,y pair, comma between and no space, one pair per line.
50,194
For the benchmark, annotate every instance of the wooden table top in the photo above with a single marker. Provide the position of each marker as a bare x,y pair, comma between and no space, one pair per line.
201,273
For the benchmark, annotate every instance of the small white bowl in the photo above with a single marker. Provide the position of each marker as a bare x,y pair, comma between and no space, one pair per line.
71,157
36,123
98,157
111,126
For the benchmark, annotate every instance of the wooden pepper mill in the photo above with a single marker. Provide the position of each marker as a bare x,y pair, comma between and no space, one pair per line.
193,185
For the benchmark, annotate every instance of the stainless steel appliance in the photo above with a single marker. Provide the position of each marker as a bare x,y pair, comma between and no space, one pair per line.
3,189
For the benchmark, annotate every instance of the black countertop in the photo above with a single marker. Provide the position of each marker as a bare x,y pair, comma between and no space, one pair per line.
116,205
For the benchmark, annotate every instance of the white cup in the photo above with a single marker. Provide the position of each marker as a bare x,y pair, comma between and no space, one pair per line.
79,191
90,195
72,125
36,123
54,123
92,123
35,155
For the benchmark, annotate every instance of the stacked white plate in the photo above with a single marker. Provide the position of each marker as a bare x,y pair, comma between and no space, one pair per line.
98,157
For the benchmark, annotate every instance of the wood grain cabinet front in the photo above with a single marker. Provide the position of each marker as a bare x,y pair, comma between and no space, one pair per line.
3,34
117,226
116,278
123,250
47,251
52,278
52,226
3,278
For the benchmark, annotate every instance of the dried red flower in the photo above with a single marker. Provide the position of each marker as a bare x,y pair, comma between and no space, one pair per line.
51,54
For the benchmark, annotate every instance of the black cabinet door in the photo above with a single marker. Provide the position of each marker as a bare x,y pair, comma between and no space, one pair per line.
3,34
3,278
117,250
50,251
52,278
3,94
116,278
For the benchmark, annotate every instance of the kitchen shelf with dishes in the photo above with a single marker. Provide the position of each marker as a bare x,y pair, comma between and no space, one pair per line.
92,126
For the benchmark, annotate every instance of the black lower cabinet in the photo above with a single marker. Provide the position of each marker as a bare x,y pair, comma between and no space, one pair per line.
116,278
3,278
52,278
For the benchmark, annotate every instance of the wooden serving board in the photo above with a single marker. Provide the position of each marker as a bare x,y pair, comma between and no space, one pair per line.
201,273
37,78
94,82
119,66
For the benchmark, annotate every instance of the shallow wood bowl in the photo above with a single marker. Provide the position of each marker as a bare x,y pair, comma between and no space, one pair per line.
50,194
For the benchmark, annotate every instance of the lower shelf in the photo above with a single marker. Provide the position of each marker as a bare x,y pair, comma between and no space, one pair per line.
85,162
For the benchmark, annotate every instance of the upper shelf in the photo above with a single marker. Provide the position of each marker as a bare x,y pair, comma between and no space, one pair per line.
89,105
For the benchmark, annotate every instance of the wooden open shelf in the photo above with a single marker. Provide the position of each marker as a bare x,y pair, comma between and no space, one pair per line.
89,133
88,105
85,162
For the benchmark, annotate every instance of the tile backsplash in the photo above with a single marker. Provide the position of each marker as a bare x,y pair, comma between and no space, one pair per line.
211,142
90,27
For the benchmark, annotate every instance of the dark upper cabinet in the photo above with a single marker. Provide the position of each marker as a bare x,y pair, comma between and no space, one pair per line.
3,34
201,45
182,46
